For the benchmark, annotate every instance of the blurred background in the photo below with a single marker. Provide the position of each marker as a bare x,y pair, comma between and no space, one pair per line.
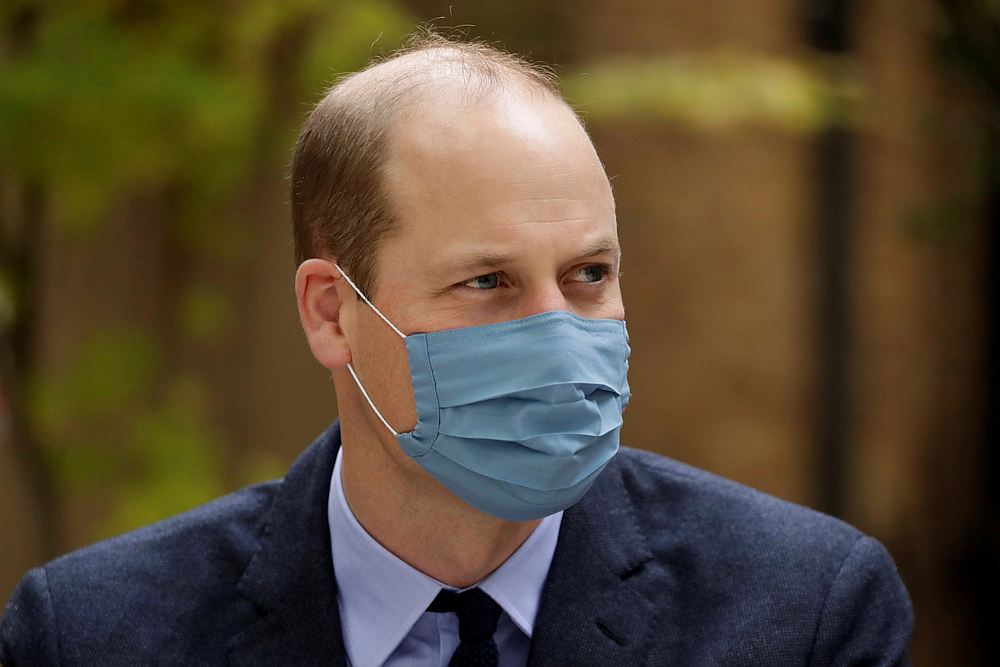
808,198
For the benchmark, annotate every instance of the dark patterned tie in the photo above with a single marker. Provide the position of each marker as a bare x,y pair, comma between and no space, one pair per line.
477,621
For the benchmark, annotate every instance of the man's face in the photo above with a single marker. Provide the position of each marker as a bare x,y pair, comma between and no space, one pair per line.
503,211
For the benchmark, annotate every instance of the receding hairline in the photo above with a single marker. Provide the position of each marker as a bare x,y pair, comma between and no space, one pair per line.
413,77
340,208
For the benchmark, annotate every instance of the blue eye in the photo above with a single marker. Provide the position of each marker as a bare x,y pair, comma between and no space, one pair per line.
591,274
486,281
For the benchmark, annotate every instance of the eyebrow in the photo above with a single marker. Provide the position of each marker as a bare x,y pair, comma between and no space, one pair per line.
489,260
608,245
485,260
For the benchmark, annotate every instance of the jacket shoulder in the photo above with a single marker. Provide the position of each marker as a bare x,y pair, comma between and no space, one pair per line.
666,490
151,586
744,563
225,526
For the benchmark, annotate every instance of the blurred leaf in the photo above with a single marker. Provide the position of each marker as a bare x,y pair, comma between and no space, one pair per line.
178,459
941,222
261,468
209,229
717,91
101,100
97,109
109,373
205,313
85,466
345,41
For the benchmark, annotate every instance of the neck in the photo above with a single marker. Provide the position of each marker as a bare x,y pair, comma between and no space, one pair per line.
416,518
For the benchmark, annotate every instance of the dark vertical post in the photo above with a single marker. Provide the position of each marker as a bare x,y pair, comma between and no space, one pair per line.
828,28
988,594
21,243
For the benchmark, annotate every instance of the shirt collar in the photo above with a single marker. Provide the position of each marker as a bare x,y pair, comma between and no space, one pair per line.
381,597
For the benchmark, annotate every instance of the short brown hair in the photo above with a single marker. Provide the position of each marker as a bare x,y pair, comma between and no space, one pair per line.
338,206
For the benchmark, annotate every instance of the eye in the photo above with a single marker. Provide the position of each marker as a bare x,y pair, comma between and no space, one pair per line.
594,273
485,281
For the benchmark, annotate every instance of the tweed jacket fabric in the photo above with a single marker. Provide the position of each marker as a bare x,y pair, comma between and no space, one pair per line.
659,564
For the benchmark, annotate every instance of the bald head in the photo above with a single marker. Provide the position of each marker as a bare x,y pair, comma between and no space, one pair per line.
339,205
436,65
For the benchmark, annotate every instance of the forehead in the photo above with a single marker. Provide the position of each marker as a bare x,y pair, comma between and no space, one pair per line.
512,157
446,123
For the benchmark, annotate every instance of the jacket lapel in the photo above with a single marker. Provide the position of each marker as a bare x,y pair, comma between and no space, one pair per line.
290,579
590,614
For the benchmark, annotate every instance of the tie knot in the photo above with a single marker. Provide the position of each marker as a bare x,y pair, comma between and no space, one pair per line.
477,613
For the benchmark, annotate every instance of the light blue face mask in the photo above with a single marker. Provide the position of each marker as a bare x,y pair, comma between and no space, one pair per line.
516,418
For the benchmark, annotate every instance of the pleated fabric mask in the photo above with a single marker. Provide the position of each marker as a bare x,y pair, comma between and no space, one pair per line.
516,418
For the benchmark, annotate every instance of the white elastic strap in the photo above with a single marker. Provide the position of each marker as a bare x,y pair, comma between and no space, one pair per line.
350,367
370,305
368,398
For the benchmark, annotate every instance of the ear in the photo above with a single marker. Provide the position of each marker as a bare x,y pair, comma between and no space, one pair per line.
316,289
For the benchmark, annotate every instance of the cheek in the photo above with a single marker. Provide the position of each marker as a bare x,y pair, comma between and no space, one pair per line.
616,306
380,360
609,306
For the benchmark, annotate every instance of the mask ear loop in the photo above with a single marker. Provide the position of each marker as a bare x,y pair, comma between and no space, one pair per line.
350,367
368,398
370,304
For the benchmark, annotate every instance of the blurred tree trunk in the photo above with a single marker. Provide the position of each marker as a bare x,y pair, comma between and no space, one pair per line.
28,510
972,43
27,505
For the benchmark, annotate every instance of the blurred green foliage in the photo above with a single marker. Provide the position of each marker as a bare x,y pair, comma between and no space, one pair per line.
105,97
719,90
205,313
181,451
109,371
101,100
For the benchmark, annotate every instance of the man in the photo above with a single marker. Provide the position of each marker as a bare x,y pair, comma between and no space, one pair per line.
458,274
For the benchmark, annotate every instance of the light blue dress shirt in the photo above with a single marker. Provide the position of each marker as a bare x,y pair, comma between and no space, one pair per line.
383,601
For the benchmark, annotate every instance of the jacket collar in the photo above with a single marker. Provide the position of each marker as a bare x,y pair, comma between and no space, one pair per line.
590,613
290,578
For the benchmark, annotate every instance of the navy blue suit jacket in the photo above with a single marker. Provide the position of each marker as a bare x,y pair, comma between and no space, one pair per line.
659,564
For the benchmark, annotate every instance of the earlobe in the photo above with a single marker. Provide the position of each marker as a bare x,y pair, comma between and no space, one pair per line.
320,311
